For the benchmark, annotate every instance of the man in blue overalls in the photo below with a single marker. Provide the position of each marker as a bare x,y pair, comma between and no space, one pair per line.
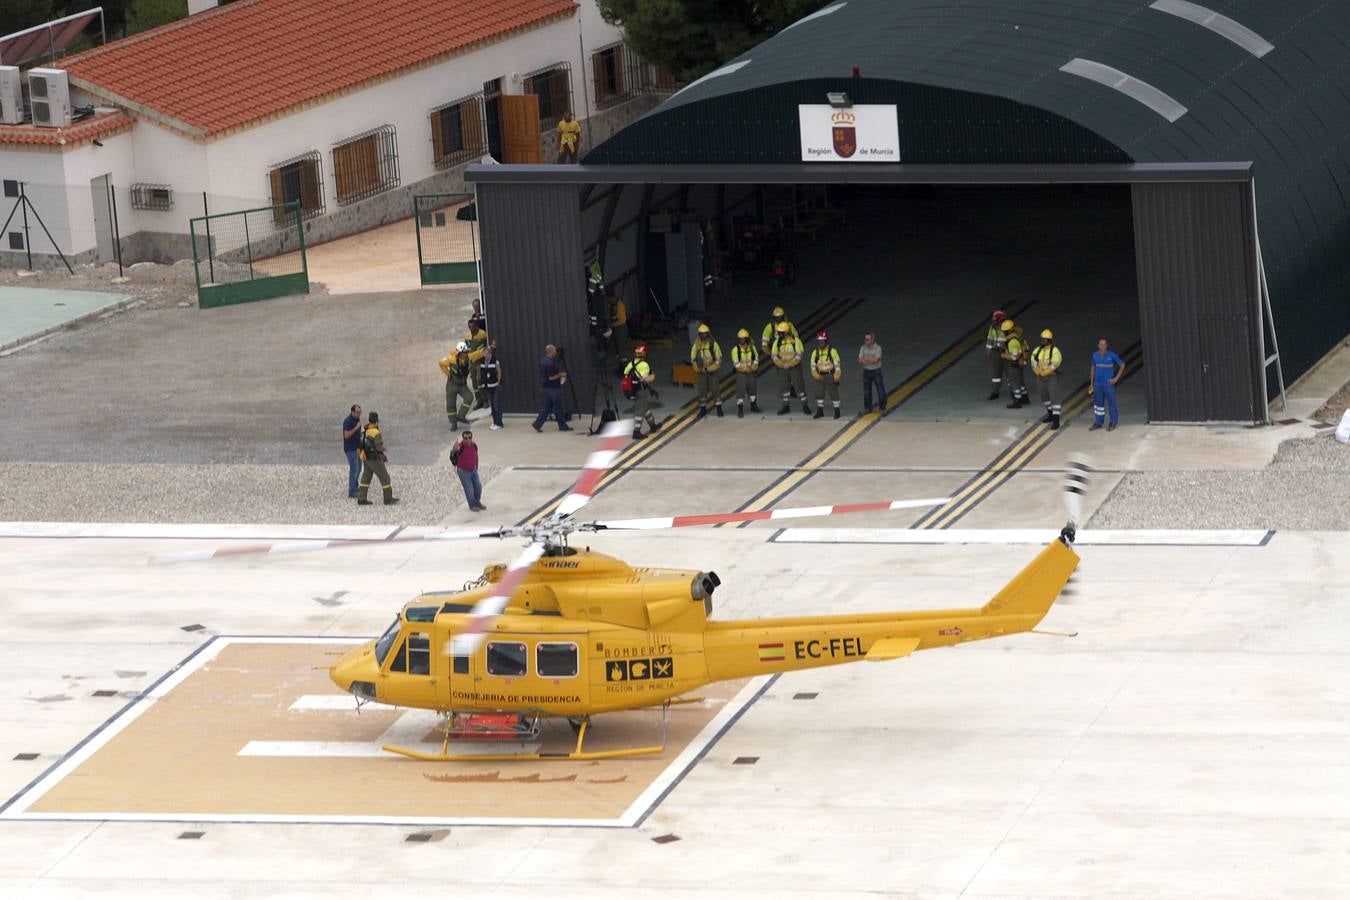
1107,368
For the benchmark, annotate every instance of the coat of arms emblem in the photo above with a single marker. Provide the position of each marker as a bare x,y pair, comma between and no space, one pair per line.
844,134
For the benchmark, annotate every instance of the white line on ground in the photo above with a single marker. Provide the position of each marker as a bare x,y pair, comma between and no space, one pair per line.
1102,537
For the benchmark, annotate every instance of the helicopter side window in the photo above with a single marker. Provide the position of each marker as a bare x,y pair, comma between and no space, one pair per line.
507,658
556,660
385,642
414,655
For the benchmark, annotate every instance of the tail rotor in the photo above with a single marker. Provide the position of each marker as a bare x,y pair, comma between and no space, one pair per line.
1076,478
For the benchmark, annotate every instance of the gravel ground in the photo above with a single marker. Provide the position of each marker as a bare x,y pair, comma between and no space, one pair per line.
156,286
274,495
1305,488
1334,408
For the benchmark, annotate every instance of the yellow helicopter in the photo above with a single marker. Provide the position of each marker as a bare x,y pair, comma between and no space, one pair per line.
562,632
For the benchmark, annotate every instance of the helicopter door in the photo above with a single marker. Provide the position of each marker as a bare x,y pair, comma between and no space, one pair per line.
412,673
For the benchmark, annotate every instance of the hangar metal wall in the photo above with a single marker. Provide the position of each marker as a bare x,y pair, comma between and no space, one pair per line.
534,287
1199,301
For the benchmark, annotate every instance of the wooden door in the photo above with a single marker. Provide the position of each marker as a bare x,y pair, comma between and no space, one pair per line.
520,128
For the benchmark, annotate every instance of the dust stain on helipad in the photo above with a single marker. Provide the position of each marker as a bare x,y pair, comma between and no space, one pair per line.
532,778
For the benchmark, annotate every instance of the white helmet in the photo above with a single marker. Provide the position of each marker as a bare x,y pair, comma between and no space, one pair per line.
461,347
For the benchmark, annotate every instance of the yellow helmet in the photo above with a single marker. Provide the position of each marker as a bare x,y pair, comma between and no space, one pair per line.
743,334
784,328
778,312
1048,334
704,329
1007,325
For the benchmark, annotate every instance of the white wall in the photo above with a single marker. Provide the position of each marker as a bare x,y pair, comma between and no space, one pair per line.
86,162
42,171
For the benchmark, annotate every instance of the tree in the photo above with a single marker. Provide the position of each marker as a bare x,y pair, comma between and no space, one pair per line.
146,14
690,38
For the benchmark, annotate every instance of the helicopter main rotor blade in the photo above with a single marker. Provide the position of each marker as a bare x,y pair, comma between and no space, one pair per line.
792,512
612,439
309,546
486,611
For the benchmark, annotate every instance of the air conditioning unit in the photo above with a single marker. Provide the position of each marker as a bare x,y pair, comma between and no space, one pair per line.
49,96
11,96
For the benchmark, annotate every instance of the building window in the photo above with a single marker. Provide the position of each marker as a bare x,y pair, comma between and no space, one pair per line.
16,240
457,132
299,179
151,196
11,188
365,165
555,660
553,87
618,75
508,660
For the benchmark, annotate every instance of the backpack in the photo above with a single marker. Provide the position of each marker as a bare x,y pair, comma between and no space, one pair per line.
454,454
627,386
364,443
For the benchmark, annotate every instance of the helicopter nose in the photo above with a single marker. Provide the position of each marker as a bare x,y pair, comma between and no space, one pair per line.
353,673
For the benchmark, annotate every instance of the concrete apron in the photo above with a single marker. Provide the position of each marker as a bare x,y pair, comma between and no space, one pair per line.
30,313
1186,743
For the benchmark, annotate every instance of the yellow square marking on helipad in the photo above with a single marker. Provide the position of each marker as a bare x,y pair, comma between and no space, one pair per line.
245,731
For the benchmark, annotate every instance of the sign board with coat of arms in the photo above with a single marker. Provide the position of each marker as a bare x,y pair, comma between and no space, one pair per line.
864,133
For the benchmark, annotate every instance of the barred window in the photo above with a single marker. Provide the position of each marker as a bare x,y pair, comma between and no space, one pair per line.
297,179
366,164
457,132
618,74
151,196
553,87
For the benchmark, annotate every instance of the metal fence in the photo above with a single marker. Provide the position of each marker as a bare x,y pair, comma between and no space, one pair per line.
447,238
252,254
619,75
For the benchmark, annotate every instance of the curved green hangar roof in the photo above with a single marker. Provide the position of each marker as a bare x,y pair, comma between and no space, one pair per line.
1069,81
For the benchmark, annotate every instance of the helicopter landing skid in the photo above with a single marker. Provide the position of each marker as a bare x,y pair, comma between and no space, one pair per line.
578,753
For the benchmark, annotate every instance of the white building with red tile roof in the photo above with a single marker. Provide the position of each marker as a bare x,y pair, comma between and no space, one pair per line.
347,106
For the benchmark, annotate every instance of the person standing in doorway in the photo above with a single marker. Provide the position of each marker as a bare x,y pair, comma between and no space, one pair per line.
869,358
375,456
490,377
551,381
826,371
569,132
786,354
995,342
1107,369
706,357
1014,358
745,360
476,339
464,454
351,446
1045,362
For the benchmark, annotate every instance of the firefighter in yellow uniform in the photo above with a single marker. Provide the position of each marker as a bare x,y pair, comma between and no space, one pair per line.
1014,357
786,353
994,342
476,340
706,358
618,328
745,360
771,330
569,130
372,452
1045,362
825,370
643,378
457,371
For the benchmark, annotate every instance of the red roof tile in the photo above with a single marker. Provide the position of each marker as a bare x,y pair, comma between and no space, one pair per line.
252,59
82,132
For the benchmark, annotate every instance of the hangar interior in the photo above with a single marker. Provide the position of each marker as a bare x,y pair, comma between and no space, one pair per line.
919,255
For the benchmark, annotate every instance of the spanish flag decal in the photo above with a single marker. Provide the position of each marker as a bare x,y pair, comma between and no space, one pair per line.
771,653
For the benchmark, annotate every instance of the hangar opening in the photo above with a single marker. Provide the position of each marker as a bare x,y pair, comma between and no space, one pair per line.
928,178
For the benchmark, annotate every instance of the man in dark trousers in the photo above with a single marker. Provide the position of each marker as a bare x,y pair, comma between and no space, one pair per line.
373,452
351,440
551,380
490,377
465,456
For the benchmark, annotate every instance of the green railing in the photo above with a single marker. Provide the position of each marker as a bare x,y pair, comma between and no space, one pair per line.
252,254
447,245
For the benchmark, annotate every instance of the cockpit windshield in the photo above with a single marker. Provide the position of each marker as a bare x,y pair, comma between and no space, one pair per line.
385,642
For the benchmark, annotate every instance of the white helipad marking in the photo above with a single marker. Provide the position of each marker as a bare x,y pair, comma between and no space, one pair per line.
1096,537
344,702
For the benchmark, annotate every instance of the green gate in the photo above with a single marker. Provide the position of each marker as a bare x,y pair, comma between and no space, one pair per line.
254,254
447,238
